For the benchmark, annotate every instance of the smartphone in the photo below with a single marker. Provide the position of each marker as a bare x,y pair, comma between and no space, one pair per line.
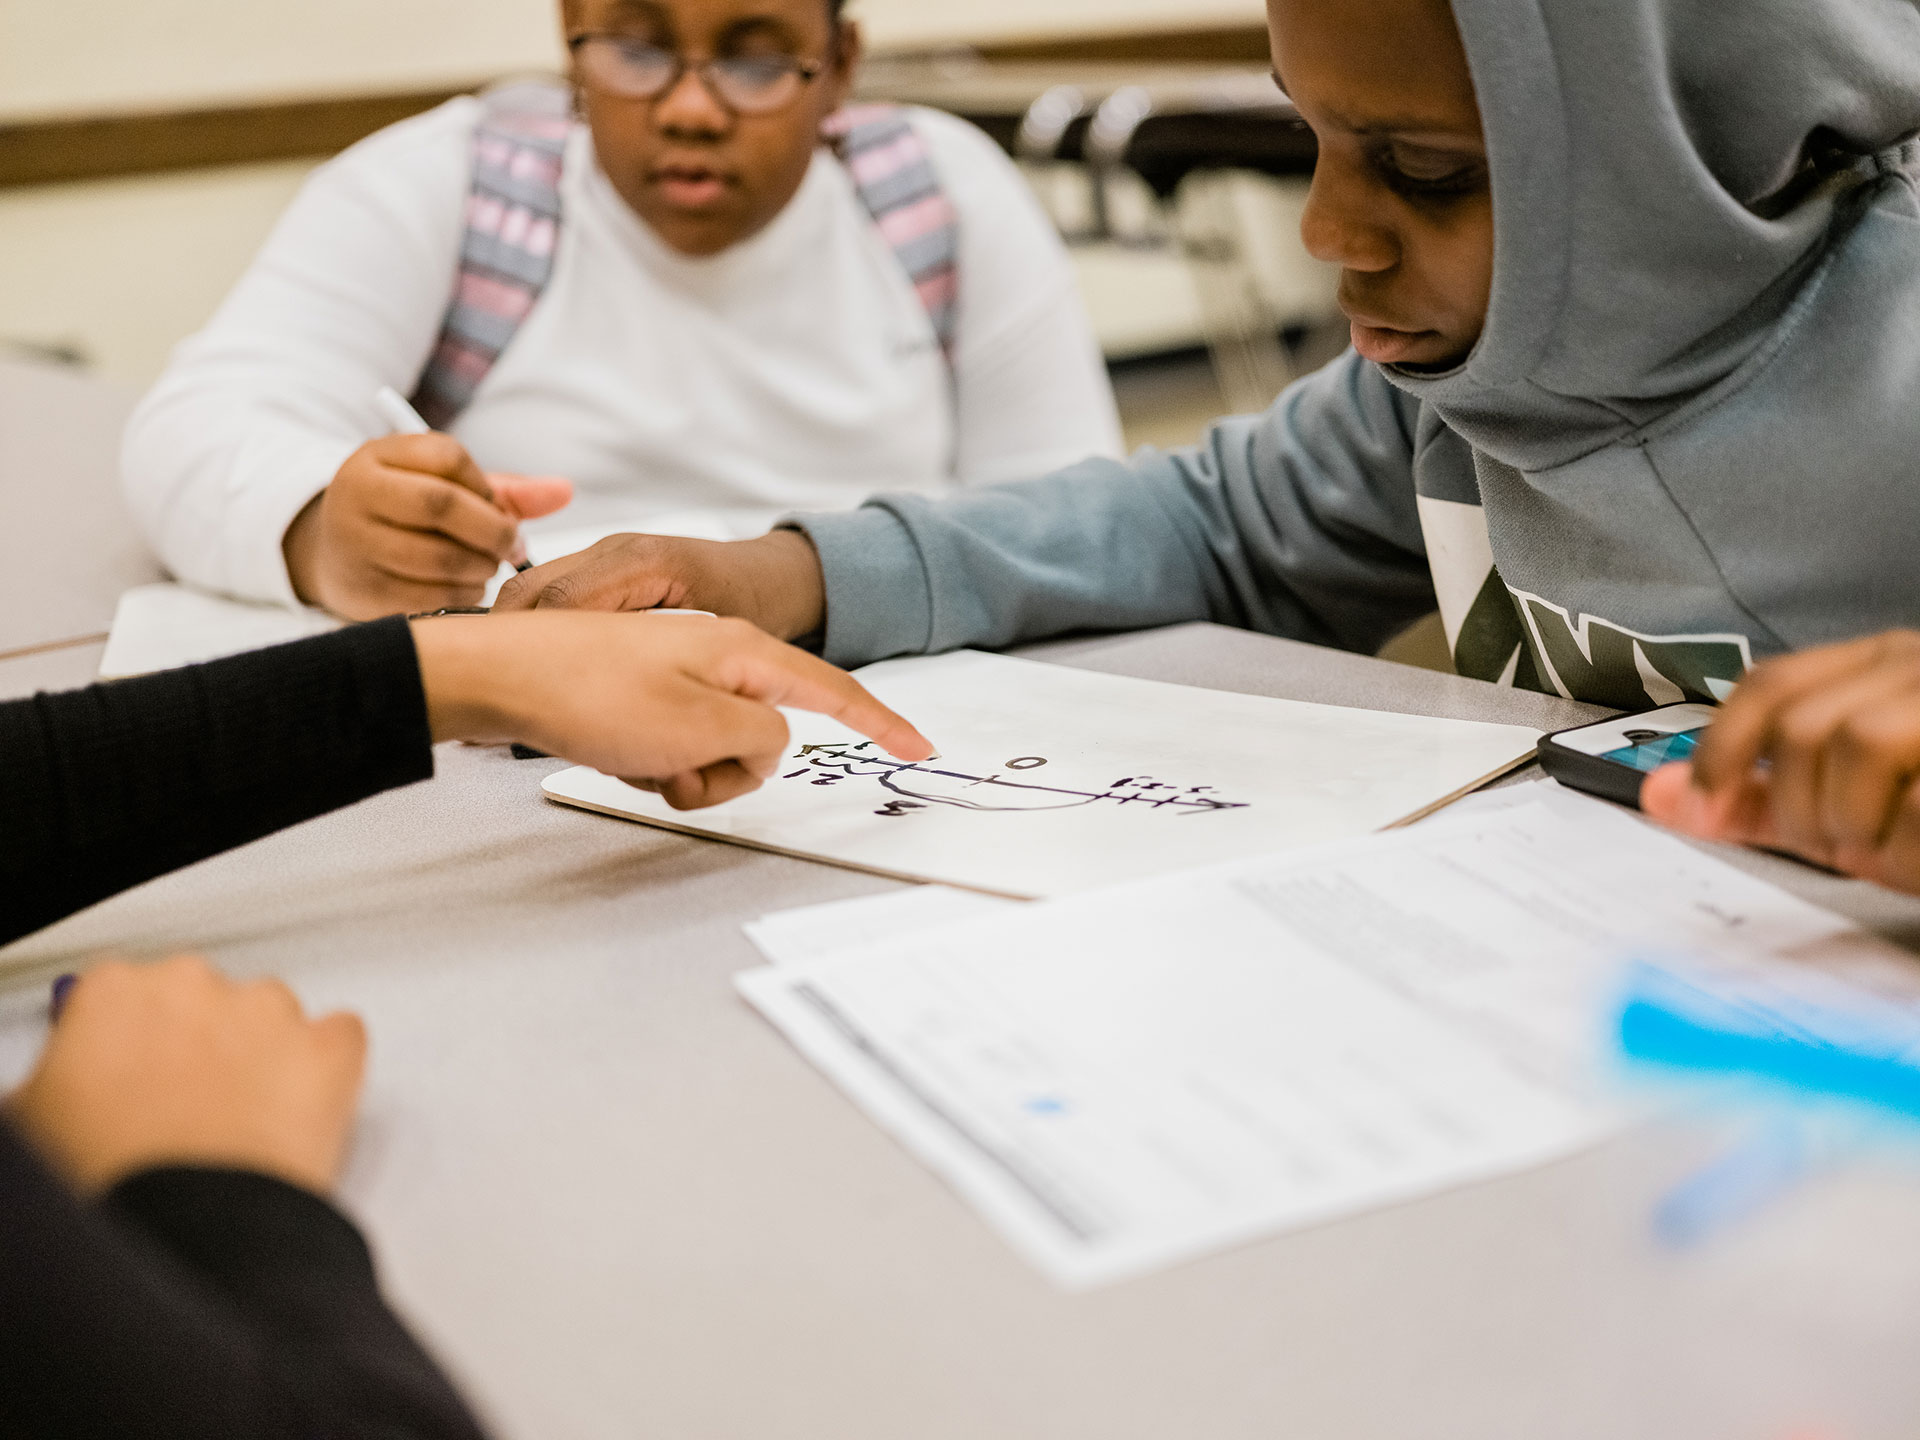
1612,758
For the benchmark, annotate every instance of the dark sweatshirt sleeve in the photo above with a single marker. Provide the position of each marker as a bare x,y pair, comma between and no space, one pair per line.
198,1303
105,787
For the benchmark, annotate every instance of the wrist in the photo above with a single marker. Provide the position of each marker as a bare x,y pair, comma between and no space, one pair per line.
299,547
460,673
791,592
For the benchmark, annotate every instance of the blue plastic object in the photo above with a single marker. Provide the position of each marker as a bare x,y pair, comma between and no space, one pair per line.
1870,1054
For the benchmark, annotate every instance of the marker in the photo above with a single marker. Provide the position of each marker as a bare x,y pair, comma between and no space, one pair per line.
1739,1184
1843,1047
406,420
1817,1040
394,409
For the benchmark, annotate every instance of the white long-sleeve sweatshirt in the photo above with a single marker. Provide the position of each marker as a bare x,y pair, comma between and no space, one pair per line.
796,370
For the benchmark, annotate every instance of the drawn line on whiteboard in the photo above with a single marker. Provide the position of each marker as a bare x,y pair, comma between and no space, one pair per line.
921,785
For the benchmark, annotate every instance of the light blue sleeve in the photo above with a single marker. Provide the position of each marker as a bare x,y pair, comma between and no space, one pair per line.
1299,522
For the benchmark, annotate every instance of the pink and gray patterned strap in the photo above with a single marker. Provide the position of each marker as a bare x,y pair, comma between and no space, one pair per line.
895,179
507,252
513,228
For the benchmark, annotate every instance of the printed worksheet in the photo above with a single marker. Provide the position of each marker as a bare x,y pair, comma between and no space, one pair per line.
809,932
1134,1076
1051,780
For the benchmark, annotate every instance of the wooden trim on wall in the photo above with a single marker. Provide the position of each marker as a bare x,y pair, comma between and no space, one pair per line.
41,152
1234,45
44,152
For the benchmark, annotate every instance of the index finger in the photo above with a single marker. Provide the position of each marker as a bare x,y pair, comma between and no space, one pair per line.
1744,729
436,454
777,674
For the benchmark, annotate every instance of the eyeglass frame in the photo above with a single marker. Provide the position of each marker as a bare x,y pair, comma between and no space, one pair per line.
807,70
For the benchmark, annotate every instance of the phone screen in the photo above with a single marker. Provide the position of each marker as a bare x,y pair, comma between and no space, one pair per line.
1651,749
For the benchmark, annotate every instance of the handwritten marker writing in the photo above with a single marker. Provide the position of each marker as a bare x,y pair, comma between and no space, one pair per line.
406,420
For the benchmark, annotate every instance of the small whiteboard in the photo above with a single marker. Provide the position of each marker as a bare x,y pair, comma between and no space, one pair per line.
1051,780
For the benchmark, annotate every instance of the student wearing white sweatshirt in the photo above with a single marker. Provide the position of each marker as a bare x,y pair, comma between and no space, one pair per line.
678,302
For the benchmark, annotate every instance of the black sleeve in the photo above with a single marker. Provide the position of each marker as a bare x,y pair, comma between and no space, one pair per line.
105,787
200,1303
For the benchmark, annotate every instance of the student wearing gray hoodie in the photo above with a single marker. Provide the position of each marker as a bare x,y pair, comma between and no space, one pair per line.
1635,288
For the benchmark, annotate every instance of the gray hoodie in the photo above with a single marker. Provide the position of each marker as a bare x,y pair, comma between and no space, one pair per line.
1689,436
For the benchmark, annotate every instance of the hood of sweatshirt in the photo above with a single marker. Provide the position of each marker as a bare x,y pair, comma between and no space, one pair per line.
1667,176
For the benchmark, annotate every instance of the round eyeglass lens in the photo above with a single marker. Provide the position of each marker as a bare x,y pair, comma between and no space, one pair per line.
755,83
629,67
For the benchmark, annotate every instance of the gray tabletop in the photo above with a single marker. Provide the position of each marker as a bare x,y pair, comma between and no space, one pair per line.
618,1204
59,479
61,667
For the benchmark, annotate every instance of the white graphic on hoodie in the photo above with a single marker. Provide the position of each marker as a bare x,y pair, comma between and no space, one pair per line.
1514,638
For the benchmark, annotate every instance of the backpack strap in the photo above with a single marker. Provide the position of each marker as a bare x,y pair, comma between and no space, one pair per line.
513,228
507,252
894,176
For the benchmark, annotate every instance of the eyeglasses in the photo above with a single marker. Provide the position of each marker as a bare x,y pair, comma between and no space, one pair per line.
636,69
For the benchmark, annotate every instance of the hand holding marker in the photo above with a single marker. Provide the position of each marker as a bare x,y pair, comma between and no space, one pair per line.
410,523
406,420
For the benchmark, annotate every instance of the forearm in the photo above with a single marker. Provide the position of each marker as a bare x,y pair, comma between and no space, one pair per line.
256,413
199,1304
103,788
215,474
1300,522
1079,550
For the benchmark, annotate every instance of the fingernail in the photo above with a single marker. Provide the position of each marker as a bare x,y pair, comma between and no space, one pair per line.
62,987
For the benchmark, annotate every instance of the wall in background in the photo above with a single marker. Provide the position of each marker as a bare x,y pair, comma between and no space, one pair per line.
112,55
116,55
120,269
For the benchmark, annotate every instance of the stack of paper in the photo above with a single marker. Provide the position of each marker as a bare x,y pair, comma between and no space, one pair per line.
1139,1074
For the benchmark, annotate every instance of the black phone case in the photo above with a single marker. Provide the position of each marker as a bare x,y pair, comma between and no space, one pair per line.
1608,779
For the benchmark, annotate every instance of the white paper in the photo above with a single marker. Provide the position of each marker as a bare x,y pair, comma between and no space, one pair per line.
808,932
1052,780
164,626
813,932
1130,1077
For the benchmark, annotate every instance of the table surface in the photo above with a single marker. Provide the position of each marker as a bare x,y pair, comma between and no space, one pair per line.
617,1203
